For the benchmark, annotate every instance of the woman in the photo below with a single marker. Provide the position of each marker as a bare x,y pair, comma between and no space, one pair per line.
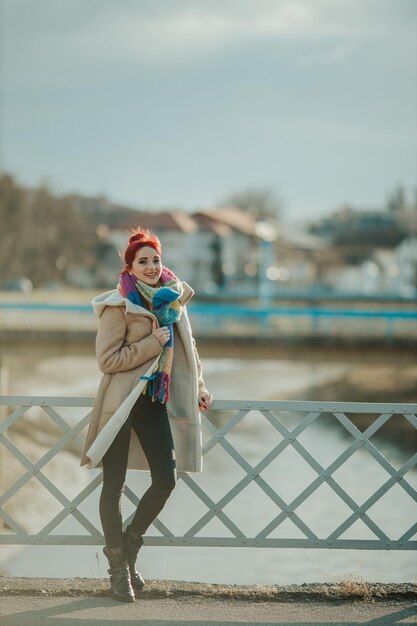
146,414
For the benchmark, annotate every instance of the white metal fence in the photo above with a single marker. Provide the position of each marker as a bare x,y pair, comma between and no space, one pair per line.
287,423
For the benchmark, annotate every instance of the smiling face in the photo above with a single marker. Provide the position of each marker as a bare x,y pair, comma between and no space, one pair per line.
147,265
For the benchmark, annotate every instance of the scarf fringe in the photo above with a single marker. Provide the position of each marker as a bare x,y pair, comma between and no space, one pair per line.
158,386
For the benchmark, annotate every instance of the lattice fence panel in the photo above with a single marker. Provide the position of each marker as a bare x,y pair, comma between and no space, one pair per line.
278,474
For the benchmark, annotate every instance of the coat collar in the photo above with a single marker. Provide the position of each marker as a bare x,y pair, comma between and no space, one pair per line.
187,293
115,298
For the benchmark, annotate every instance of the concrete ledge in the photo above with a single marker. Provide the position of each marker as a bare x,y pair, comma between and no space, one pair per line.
346,590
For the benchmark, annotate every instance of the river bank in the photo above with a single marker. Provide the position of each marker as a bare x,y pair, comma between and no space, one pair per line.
378,382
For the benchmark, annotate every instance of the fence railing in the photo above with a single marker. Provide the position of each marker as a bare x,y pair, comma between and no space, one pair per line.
279,440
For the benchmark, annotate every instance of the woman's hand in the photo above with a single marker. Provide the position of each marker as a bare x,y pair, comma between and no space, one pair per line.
205,400
162,334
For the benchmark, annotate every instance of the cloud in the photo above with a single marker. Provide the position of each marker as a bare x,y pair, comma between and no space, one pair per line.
199,29
153,32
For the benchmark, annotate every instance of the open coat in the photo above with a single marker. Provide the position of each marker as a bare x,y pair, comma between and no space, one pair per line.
127,350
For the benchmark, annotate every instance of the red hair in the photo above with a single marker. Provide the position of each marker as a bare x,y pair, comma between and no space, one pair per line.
141,237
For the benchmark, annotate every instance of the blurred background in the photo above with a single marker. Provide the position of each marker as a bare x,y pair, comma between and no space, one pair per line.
272,146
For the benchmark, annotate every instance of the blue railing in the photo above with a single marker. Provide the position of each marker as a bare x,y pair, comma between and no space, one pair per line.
226,318
236,310
232,310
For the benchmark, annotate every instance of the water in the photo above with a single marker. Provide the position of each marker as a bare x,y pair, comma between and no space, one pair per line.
251,510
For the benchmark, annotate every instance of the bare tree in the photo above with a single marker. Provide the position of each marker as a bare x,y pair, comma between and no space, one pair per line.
42,234
260,202
397,200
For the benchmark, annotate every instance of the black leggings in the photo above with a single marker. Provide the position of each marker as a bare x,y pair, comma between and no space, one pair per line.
150,422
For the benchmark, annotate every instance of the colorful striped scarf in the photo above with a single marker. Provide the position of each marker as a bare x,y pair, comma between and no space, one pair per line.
164,303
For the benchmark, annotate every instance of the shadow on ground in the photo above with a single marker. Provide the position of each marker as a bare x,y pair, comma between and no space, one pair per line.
94,611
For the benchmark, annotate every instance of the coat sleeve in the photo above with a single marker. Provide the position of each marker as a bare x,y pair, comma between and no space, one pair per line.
112,355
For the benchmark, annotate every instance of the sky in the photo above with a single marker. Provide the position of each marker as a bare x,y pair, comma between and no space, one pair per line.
180,103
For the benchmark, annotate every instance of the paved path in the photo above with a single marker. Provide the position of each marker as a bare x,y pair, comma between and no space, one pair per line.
193,611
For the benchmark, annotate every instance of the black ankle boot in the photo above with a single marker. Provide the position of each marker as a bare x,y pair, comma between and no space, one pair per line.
132,544
121,586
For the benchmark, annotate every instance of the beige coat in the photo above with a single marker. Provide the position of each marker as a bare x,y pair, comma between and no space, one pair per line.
126,350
